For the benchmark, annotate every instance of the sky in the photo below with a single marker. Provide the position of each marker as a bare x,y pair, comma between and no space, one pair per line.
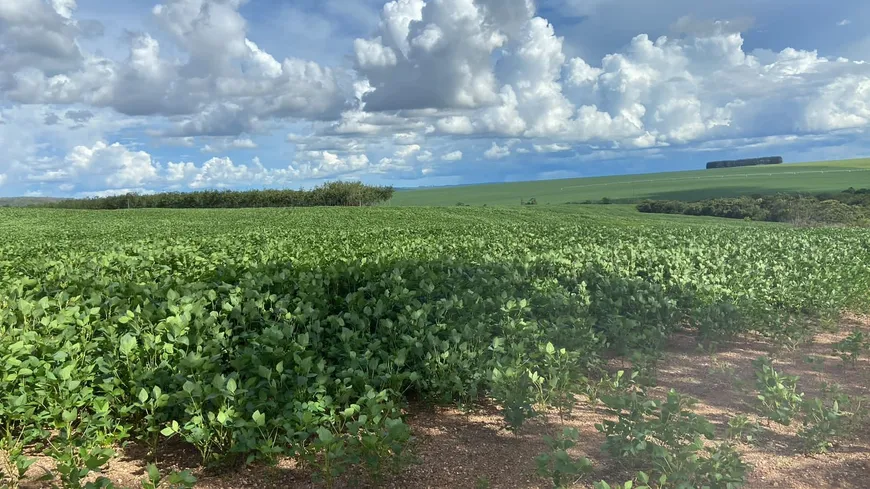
102,97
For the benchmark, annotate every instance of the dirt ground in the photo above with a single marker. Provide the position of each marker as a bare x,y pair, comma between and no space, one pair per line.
472,450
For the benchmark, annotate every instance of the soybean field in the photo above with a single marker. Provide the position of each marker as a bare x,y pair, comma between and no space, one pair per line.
305,343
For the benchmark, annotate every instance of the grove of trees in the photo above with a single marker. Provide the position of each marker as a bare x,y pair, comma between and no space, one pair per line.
851,207
769,160
327,195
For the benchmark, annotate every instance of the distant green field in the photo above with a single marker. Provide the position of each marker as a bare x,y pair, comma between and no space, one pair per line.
817,177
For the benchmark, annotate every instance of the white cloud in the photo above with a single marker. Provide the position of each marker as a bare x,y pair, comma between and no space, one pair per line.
180,172
227,84
452,156
115,164
373,54
434,54
3,179
404,152
324,164
470,74
229,144
844,22
841,104
222,172
113,192
551,148
580,73
497,152
455,125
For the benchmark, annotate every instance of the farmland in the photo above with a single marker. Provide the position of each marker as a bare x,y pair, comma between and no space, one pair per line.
316,341
830,176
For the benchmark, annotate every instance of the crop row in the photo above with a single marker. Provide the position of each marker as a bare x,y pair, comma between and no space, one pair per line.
260,334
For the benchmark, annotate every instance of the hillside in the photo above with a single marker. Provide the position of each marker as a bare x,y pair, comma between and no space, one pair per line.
814,177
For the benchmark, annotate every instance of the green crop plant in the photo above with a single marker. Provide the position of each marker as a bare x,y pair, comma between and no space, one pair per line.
669,437
642,481
13,463
741,428
252,334
823,424
517,392
557,464
778,397
851,348
830,418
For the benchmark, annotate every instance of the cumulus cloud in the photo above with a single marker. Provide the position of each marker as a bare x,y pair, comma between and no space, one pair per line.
229,144
433,55
406,151
452,156
551,148
114,166
226,85
497,152
38,35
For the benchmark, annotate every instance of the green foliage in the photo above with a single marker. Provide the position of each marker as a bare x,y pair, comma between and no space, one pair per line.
741,428
803,210
642,481
719,322
823,423
778,396
175,480
669,437
830,418
767,160
686,185
557,464
515,391
328,194
852,347
257,335
13,463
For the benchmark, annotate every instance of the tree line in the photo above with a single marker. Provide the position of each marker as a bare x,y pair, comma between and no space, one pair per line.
768,160
851,207
332,194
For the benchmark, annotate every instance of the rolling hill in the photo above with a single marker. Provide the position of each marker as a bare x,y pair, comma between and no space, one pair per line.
817,177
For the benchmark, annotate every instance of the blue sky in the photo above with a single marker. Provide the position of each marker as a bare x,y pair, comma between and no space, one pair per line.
108,96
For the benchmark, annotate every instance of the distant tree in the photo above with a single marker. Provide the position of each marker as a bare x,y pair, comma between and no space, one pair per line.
769,160
328,194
